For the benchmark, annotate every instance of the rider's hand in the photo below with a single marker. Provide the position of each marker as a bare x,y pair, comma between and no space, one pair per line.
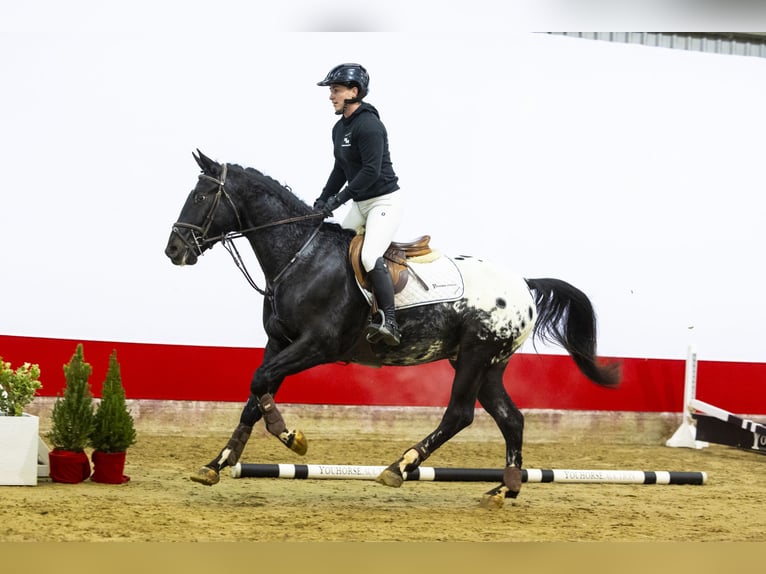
331,205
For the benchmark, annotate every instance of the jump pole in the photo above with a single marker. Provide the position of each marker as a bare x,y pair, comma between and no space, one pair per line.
727,417
686,434
730,430
435,474
720,426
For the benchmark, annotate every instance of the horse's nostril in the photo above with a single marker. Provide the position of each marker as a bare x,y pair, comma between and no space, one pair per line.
171,251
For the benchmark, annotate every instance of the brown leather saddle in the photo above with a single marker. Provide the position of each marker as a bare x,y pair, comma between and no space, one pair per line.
396,257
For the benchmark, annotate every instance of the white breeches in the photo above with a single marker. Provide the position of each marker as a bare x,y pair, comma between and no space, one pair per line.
380,216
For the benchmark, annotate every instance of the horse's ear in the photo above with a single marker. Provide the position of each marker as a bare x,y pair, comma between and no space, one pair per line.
206,164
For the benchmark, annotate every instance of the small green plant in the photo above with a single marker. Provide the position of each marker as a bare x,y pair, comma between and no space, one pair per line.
17,388
72,416
113,429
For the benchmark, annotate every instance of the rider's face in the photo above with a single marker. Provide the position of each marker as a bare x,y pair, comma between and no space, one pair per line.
339,94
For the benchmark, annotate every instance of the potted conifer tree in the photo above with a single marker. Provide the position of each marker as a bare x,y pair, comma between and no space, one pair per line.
18,430
72,423
113,430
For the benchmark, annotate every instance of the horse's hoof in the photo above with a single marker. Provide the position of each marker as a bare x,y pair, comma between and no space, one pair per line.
512,479
299,444
390,478
206,476
493,501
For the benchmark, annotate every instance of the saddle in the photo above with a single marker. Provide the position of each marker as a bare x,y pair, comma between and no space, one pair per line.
396,257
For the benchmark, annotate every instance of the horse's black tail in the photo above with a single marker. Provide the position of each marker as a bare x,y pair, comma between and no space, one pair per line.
565,316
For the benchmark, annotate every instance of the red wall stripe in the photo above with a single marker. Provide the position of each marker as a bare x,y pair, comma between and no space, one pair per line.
199,373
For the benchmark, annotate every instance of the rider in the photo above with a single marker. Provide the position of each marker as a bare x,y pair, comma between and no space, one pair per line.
363,162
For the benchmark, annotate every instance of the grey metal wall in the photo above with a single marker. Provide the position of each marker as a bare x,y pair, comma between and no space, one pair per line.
736,44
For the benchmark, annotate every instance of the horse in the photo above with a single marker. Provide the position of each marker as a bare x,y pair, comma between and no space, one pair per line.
315,312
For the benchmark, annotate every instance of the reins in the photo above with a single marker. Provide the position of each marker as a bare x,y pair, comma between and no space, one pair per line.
228,244
200,237
243,232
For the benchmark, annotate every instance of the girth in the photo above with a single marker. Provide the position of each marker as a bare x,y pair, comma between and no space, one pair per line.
396,259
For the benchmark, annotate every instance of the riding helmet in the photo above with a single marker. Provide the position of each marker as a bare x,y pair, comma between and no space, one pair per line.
349,75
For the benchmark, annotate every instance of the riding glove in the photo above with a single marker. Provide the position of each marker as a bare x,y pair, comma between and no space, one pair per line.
332,203
322,206
327,206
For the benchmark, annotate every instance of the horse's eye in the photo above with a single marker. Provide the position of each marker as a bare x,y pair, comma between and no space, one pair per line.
199,197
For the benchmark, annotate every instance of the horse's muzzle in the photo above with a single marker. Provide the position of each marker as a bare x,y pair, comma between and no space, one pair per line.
179,252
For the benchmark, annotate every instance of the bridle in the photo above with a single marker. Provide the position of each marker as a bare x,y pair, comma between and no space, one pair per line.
200,239
199,234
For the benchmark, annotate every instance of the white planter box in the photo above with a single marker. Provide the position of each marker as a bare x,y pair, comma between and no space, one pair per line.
18,450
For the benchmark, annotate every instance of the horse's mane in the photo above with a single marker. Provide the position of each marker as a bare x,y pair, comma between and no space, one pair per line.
286,195
282,192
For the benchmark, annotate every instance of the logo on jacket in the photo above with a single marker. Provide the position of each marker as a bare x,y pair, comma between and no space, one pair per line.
346,140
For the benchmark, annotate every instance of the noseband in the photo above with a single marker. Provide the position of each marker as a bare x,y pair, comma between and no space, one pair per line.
199,234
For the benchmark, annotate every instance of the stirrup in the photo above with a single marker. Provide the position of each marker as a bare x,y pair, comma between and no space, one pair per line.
387,333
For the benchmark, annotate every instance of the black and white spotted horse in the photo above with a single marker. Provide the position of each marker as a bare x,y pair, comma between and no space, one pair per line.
314,312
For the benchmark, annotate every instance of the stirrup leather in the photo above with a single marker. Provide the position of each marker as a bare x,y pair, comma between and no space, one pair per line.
396,259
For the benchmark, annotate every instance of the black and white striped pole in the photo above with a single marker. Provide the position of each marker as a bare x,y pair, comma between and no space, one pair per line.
435,474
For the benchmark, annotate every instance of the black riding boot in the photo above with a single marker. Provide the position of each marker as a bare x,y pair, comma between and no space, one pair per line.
383,287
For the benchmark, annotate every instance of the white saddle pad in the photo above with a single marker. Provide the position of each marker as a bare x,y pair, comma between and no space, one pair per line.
437,281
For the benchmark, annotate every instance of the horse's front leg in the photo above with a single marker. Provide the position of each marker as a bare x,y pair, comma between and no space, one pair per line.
275,424
277,364
210,474
229,456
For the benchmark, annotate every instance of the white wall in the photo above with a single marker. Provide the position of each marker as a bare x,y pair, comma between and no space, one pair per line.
634,173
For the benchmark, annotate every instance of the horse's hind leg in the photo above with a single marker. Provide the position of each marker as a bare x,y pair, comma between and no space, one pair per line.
495,400
458,415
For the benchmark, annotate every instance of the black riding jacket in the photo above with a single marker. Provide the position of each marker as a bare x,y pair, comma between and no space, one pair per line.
361,157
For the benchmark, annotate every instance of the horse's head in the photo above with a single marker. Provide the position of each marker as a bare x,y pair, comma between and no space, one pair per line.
207,216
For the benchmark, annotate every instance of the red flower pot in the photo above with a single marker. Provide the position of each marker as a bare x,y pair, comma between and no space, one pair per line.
67,466
108,467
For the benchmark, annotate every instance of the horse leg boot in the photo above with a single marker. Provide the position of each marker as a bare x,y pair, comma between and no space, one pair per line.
210,473
494,398
275,424
459,415
254,410
413,457
512,479
383,288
